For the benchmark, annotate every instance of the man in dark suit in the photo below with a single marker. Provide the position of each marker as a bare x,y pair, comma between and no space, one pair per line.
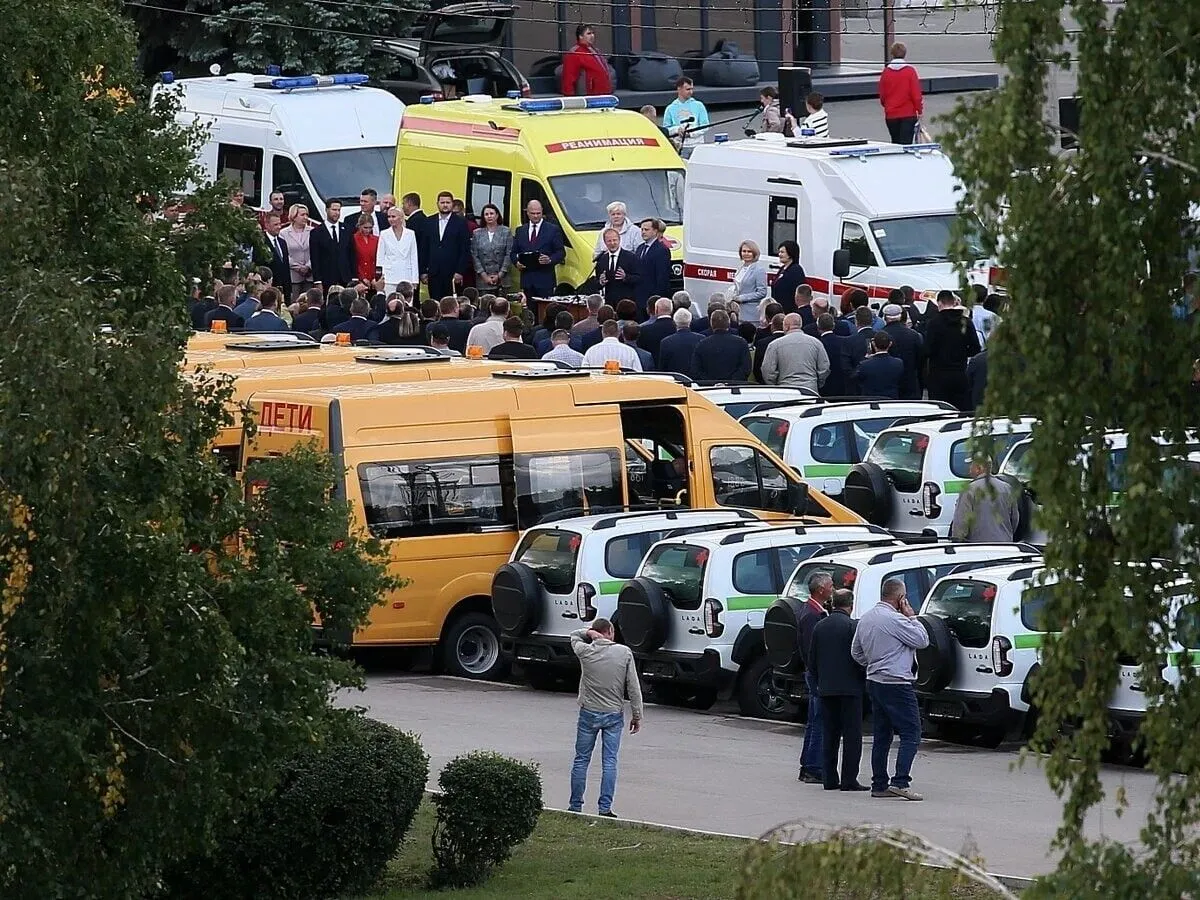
447,249
414,219
722,356
330,245
880,373
629,336
676,350
457,329
537,249
358,326
907,346
858,345
839,364
977,375
281,272
310,319
616,269
950,340
513,347
840,682
267,317
700,323
367,201
660,327
590,338
654,266
224,310
774,332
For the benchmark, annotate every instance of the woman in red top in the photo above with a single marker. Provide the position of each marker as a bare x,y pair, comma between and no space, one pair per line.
366,245
586,64
900,96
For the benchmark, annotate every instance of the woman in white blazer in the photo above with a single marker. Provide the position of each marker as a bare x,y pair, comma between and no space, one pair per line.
397,254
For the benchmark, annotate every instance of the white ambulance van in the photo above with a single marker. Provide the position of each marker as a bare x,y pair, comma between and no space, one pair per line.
313,137
865,215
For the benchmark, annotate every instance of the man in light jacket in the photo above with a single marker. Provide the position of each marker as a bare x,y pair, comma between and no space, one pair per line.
608,675
796,359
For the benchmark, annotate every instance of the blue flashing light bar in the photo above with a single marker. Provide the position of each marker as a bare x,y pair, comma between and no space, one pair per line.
513,95
561,104
808,132
166,77
274,71
427,99
854,151
720,138
307,81
918,148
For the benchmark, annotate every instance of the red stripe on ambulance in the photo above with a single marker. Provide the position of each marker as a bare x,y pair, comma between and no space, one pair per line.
820,285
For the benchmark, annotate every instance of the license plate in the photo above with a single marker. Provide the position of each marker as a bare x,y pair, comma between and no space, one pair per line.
664,669
943,710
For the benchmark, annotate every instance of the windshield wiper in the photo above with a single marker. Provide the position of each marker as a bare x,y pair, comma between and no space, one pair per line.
908,260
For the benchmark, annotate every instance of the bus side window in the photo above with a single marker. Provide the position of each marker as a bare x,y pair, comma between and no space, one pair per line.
242,167
854,239
285,177
486,186
781,222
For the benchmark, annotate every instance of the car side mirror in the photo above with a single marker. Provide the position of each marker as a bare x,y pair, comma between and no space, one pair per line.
798,498
841,263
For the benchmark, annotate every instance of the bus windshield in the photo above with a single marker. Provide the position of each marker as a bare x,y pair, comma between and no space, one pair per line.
647,193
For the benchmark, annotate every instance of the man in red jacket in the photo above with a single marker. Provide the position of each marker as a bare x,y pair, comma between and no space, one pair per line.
900,95
585,64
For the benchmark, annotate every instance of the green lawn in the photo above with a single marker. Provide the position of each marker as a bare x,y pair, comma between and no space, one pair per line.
580,858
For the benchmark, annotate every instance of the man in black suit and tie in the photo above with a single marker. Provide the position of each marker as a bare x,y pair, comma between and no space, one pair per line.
538,248
447,249
281,272
660,327
908,347
367,201
840,683
330,249
414,220
226,294
616,269
837,382
654,266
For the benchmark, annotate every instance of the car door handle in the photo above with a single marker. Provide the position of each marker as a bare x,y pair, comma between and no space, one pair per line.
570,615
695,631
916,512
983,670
1138,688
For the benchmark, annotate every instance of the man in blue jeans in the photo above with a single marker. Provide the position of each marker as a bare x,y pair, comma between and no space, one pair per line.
886,643
608,675
820,590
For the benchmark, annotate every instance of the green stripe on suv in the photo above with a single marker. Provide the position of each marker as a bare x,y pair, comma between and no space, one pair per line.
749,601
827,470
1174,658
1028,641
955,486
611,587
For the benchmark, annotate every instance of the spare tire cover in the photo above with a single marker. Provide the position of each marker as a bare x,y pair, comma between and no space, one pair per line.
936,664
516,599
644,611
781,633
869,493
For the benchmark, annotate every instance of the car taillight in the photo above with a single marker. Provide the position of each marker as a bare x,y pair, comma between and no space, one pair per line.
525,90
929,504
712,624
583,602
1000,661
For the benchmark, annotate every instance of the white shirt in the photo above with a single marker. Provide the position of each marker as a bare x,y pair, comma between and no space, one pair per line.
611,348
442,220
397,256
533,231
612,260
564,353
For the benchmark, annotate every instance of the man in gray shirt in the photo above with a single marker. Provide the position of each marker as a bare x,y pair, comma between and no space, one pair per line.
796,359
988,509
886,643
608,675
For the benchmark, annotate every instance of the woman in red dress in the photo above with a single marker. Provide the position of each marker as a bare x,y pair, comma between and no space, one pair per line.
366,245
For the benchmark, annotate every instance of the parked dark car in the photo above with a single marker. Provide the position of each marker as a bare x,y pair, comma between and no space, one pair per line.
451,52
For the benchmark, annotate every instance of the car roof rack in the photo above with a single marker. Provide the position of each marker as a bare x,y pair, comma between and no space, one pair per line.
671,515
991,563
541,374
951,548
271,346
737,387
1022,574
686,530
388,360
880,405
804,529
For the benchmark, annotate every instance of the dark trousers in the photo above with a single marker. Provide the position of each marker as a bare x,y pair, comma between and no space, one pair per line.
442,285
950,386
903,131
841,717
894,711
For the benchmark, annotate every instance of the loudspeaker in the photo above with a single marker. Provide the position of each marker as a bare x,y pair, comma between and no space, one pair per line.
1068,122
795,84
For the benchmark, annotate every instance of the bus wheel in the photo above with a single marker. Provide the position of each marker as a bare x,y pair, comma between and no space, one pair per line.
471,648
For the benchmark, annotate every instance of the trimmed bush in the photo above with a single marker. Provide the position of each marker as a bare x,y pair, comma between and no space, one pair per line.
337,816
488,805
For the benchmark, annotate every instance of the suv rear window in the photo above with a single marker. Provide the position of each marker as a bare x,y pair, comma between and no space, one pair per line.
679,570
552,555
772,432
1033,608
902,455
1187,627
623,555
966,607
843,577
960,457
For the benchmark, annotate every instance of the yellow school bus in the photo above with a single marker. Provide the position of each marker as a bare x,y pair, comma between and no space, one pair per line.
448,473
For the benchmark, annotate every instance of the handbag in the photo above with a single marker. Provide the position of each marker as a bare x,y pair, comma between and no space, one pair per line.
922,136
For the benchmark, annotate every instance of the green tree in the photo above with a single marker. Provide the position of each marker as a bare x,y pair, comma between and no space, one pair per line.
1095,244
150,680
248,35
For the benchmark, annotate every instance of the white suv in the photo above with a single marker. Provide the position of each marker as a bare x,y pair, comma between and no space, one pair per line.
570,572
912,475
986,627
822,441
693,616
864,572
738,400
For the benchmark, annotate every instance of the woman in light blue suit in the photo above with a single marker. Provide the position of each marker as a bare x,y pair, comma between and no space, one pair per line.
749,282
491,245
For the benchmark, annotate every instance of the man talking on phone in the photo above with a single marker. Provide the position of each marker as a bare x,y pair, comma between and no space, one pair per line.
886,643
608,675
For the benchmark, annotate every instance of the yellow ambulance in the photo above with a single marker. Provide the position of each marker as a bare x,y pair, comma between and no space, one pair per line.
574,154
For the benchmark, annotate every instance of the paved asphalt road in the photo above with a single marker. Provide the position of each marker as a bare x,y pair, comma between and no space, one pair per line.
737,776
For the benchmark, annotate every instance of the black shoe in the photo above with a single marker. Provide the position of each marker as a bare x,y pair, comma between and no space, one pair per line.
609,814
809,778
831,787
856,787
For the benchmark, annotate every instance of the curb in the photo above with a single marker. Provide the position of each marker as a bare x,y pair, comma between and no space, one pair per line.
1015,883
